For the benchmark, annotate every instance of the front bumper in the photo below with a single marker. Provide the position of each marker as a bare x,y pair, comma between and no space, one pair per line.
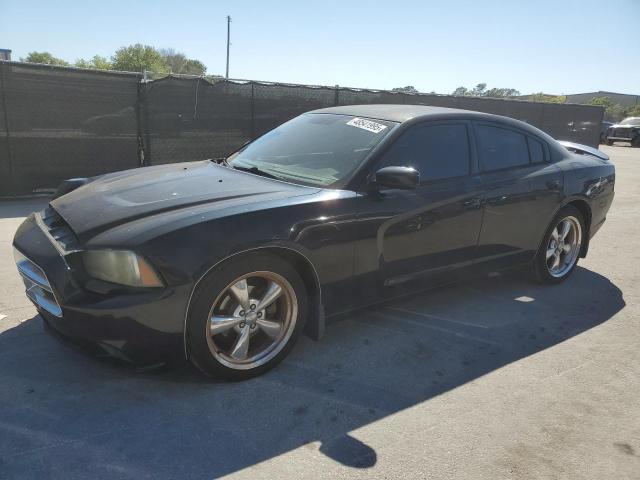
620,134
144,328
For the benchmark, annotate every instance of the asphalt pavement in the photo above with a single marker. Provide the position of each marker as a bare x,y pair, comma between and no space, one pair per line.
490,379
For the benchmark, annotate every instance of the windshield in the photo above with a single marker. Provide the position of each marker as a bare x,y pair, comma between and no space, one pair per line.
631,121
316,149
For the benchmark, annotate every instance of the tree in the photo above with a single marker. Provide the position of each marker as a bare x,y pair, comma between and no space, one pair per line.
633,111
138,57
179,63
605,102
407,89
134,58
461,92
174,60
214,78
43,57
96,63
194,67
480,90
547,98
501,93
612,111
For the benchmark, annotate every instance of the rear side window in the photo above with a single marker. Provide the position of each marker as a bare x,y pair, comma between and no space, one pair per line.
536,150
436,151
501,148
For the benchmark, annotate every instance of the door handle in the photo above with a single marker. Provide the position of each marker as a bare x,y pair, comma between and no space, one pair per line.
472,203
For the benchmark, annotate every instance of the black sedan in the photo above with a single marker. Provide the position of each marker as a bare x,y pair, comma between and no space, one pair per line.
226,263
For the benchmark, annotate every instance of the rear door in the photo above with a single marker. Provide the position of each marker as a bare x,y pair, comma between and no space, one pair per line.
523,191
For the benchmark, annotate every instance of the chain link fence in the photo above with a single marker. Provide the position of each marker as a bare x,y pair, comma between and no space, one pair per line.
59,122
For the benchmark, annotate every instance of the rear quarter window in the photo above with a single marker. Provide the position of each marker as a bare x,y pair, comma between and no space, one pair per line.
536,150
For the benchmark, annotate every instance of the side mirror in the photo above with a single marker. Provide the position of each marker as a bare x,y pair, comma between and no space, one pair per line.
397,177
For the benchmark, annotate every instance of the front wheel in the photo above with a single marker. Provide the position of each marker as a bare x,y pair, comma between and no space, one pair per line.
635,141
246,316
558,255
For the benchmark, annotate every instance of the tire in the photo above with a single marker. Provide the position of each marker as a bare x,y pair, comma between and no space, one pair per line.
635,141
609,142
548,270
246,344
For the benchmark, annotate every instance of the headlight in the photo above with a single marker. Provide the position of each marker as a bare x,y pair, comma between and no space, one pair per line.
120,266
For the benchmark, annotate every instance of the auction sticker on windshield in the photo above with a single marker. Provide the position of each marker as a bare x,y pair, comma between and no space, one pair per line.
366,125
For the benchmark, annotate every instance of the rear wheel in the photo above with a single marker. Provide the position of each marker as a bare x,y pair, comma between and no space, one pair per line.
560,249
246,316
609,142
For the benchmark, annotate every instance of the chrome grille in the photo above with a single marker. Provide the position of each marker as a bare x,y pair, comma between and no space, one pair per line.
58,229
623,133
36,284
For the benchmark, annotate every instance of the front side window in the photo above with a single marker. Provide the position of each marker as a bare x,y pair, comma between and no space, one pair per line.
501,148
313,149
436,151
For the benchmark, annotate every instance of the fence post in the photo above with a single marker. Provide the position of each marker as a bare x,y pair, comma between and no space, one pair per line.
337,95
139,130
143,121
253,112
6,124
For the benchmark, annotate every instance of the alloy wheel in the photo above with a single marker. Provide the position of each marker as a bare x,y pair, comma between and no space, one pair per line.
564,246
252,320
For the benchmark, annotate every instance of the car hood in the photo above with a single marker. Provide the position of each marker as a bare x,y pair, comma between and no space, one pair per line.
117,198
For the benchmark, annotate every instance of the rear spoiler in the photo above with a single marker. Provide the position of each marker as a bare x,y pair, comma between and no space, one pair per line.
584,150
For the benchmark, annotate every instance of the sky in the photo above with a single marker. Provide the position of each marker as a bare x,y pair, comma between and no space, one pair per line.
553,46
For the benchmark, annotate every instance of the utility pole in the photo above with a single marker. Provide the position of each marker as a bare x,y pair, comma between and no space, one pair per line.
228,41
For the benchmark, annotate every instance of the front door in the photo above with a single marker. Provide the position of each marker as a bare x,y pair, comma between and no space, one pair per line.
406,234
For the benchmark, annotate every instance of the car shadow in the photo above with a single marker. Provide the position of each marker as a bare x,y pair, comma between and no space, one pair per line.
64,412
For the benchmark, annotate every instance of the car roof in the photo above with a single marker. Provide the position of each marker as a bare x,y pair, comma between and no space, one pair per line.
405,113
399,113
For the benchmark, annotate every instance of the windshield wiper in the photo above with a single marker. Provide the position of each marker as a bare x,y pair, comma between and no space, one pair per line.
255,170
